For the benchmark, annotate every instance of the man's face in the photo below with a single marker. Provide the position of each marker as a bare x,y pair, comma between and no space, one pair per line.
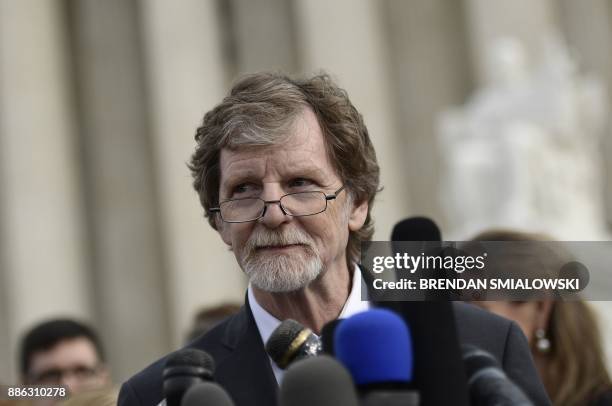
73,363
281,253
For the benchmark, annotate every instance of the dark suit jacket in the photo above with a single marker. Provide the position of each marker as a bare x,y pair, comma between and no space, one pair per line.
244,371
604,399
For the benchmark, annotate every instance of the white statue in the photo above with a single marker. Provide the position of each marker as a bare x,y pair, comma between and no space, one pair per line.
524,151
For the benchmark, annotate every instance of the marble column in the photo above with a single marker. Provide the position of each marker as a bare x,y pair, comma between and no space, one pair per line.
129,262
41,213
588,29
352,47
264,35
6,356
431,72
186,78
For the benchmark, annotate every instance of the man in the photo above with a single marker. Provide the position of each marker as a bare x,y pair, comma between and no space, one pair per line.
63,352
287,175
208,317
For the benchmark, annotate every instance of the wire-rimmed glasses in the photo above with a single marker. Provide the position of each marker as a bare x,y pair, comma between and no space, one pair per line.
298,204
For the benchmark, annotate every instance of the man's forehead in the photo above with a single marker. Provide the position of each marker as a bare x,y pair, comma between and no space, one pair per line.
301,132
303,151
68,351
256,163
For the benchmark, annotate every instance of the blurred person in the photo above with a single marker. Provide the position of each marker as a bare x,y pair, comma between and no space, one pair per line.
15,403
98,397
563,335
287,175
209,317
4,402
63,352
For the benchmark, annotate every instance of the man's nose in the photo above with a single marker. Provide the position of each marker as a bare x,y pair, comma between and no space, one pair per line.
71,382
274,216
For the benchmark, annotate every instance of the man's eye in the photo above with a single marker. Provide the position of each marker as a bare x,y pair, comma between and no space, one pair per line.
300,182
244,188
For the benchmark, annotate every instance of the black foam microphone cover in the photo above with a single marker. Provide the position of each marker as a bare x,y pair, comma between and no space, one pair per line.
291,341
206,394
416,229
488,383
183,369
439,375
317,381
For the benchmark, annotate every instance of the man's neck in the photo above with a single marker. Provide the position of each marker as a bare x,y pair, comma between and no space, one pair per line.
313,306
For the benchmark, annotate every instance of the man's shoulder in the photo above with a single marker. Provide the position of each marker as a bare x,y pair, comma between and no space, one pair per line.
472,314
145,387
503,339
482,328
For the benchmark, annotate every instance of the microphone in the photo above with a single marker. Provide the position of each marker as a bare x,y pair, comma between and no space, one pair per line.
434,332
206,394
489,385
290,342
375,346
320,381
426,233
183,369
416,229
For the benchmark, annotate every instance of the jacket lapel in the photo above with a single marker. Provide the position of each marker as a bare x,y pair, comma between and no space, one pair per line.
246,371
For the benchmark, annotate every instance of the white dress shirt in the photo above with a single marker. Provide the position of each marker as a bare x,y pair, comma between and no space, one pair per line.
266,323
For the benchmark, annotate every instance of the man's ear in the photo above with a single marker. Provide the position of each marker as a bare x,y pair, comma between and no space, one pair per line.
358,216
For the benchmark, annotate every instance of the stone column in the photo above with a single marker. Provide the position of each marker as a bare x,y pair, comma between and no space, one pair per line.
6,356
588,29
41,210
346,39
264,35
431,72
129,261
186,78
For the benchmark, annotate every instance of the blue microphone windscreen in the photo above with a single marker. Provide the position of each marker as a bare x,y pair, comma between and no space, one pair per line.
375,346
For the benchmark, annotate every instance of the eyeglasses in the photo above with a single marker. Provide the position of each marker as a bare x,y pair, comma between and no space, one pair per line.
55,375
297,204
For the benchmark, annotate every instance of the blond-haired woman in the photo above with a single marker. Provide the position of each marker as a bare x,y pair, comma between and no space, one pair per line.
563,336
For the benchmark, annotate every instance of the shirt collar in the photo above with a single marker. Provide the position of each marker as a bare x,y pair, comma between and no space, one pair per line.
266,323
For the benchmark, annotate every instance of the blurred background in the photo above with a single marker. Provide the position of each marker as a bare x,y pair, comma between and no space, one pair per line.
483,113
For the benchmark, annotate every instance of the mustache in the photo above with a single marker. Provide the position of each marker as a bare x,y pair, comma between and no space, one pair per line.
273,238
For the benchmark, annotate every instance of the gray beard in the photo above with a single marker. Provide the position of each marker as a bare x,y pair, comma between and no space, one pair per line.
283,273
